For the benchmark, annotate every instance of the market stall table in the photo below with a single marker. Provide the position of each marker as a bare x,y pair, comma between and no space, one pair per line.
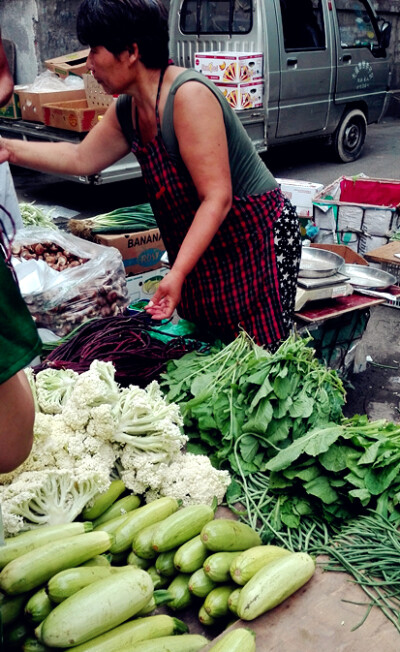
388,257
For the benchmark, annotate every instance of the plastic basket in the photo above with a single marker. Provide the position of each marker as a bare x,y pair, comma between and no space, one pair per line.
95,95
392,268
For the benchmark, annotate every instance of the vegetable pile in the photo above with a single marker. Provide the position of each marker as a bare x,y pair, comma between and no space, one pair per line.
126,341
96,584
87,430
241,404
51,253
300,471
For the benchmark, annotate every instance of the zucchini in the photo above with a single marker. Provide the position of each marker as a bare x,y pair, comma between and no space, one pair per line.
67,582
120,507
216,602
183,643
272,584
34,568
224,534
98,560
31,644
233,600
119,559
165,564
158,599
133,560
102,501
125,636
200,584
97,608
11,608
217,566
112,525
26,541
179,589
191,555
248,562
205,617
38,606
140,518
14,635
240,639
142,542
181,526
159,581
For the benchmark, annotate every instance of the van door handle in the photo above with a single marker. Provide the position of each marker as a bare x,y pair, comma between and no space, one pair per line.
346,58
292,61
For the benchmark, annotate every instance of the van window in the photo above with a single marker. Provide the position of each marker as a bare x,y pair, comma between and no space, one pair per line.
216,16
356,25
303,24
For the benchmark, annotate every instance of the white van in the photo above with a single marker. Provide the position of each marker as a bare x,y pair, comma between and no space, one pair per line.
326,67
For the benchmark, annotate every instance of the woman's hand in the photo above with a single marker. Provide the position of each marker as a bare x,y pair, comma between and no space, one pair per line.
166,297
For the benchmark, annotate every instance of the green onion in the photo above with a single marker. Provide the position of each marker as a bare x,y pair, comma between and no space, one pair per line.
120,220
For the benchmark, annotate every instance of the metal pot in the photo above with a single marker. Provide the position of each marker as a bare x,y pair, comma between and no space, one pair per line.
318,263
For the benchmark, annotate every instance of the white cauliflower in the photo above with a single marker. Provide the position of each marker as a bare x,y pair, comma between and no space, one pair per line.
190,478
95,386
53,388
48,498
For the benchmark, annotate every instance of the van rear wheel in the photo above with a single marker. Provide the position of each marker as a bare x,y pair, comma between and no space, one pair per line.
349,136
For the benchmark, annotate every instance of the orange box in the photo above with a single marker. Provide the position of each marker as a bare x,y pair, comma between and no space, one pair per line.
69,64
73,116
32,102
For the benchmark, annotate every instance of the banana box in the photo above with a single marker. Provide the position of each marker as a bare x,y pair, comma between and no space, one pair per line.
243,96
230,67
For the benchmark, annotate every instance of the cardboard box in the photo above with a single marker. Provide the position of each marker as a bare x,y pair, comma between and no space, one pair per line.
243,96
73,116
301,194
230,67
141,251
143,286
32,102
69,64
12,110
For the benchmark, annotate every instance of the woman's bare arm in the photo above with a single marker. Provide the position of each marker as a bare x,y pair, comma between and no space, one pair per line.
101,147
17,415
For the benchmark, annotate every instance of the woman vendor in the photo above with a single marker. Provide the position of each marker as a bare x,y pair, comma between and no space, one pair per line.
232,239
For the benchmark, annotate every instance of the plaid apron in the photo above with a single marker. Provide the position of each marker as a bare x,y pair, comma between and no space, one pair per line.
235,284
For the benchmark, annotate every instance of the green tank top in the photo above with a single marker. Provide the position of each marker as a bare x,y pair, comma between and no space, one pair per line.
250,175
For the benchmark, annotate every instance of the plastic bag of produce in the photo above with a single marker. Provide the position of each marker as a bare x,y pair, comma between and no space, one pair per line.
69,280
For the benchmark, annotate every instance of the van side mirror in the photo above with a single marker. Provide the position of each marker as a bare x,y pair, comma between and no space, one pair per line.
385,29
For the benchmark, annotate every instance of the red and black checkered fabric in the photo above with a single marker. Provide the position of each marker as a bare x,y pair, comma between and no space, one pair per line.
235,283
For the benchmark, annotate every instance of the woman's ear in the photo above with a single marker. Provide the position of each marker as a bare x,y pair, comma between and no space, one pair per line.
133,51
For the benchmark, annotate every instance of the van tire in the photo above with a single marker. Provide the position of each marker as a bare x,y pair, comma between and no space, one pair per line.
349,136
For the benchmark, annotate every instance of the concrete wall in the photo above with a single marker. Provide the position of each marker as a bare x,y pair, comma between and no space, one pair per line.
40,29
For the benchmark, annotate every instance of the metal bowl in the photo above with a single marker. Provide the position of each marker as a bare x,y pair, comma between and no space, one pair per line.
318,263
368,278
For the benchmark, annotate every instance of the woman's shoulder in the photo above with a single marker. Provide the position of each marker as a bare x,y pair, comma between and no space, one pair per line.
180,76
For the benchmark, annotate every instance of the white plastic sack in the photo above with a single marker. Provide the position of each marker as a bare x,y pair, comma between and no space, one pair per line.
61,301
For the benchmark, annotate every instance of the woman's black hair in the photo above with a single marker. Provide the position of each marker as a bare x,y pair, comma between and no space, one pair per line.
118,24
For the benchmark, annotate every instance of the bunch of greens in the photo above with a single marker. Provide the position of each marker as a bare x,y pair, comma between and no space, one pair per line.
339,470
34,216
242,394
